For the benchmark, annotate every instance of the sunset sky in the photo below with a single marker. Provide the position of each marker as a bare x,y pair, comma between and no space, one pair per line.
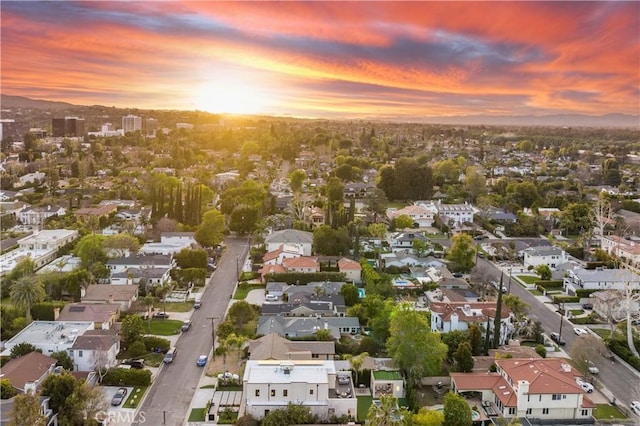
385,60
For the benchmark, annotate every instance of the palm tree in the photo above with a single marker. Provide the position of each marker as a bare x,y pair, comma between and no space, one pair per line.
356,363
27,291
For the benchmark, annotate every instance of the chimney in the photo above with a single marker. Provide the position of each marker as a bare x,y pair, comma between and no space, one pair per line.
56,314
110,300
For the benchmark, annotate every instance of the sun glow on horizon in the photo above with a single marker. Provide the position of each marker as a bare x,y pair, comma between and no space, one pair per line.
233,95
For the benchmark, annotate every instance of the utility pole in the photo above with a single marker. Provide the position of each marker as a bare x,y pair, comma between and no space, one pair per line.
509,290
213,335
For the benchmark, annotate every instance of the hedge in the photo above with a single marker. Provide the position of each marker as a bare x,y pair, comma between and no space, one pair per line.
127,377
585,292
548,284
589,319
301,278
620,348
43,311
152,343
566,299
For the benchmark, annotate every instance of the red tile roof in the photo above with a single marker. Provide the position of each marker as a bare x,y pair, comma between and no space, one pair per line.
348,264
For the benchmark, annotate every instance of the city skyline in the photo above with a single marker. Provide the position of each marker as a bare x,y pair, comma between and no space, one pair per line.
379,60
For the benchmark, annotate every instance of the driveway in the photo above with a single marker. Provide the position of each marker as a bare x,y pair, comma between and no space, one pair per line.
256,297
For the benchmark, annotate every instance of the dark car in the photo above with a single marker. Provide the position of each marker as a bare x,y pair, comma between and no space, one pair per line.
119,397
588,306
161,315
134,363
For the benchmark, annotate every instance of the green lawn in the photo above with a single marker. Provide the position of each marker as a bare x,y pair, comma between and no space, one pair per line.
606,412
135,397
536,292
197,415
227,418
208,387
153,359
577,311
364,402
244,289
163,327
602,332
528,279
176,306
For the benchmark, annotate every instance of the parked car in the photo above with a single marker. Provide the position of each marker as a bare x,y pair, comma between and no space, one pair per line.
556,338
197,304
458,274
202,361
271,297
587,306
134,363
586,386
592,368
119,397
161,315
186,325
579,331
635,407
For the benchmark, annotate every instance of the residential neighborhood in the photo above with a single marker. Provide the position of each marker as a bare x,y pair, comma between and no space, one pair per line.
344,275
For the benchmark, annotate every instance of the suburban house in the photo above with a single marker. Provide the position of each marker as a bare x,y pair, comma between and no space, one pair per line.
626,249
612,304
103,315
27,372
313,216
170,243
302,240
49,336
316,384
272,346
151,276
351,269
535,388
402,259
308,305
95,349
7,407
303,293
599,279
86,214
387,382
276,257
306,264
543,255
450,316
403,241
41,247
144,261
454,214
302,327
276,288
124,295
37,215
421,216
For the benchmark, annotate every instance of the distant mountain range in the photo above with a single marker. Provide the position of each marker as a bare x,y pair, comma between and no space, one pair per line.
558,120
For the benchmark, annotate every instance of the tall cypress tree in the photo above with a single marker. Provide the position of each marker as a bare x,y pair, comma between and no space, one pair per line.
497,320
487,338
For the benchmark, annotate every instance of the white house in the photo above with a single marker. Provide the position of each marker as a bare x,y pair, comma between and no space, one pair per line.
302,240
29,178
316,384
612,303
599,279
285,251
456,214
450,316
151,276
403,241
41,247
121,264
629,250
543,255
95,349
534,388
49,336
37,215
170,243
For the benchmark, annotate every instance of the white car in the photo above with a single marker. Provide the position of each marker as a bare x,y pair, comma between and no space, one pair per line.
635,407
579,331
271,297
586,386
593,369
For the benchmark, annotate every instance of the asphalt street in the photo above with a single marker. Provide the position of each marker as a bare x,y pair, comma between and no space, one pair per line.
167,401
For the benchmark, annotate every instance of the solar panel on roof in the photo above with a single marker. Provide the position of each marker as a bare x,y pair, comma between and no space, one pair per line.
76,308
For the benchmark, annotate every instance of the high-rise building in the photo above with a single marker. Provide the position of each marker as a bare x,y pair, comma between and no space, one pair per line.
131,123
68,127
150,126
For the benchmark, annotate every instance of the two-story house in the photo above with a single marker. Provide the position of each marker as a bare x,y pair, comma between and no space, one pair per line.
95,349
301,239
543,255
124,295
316,384
450,316
543,389
103,315
351,269
422,217
403,241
